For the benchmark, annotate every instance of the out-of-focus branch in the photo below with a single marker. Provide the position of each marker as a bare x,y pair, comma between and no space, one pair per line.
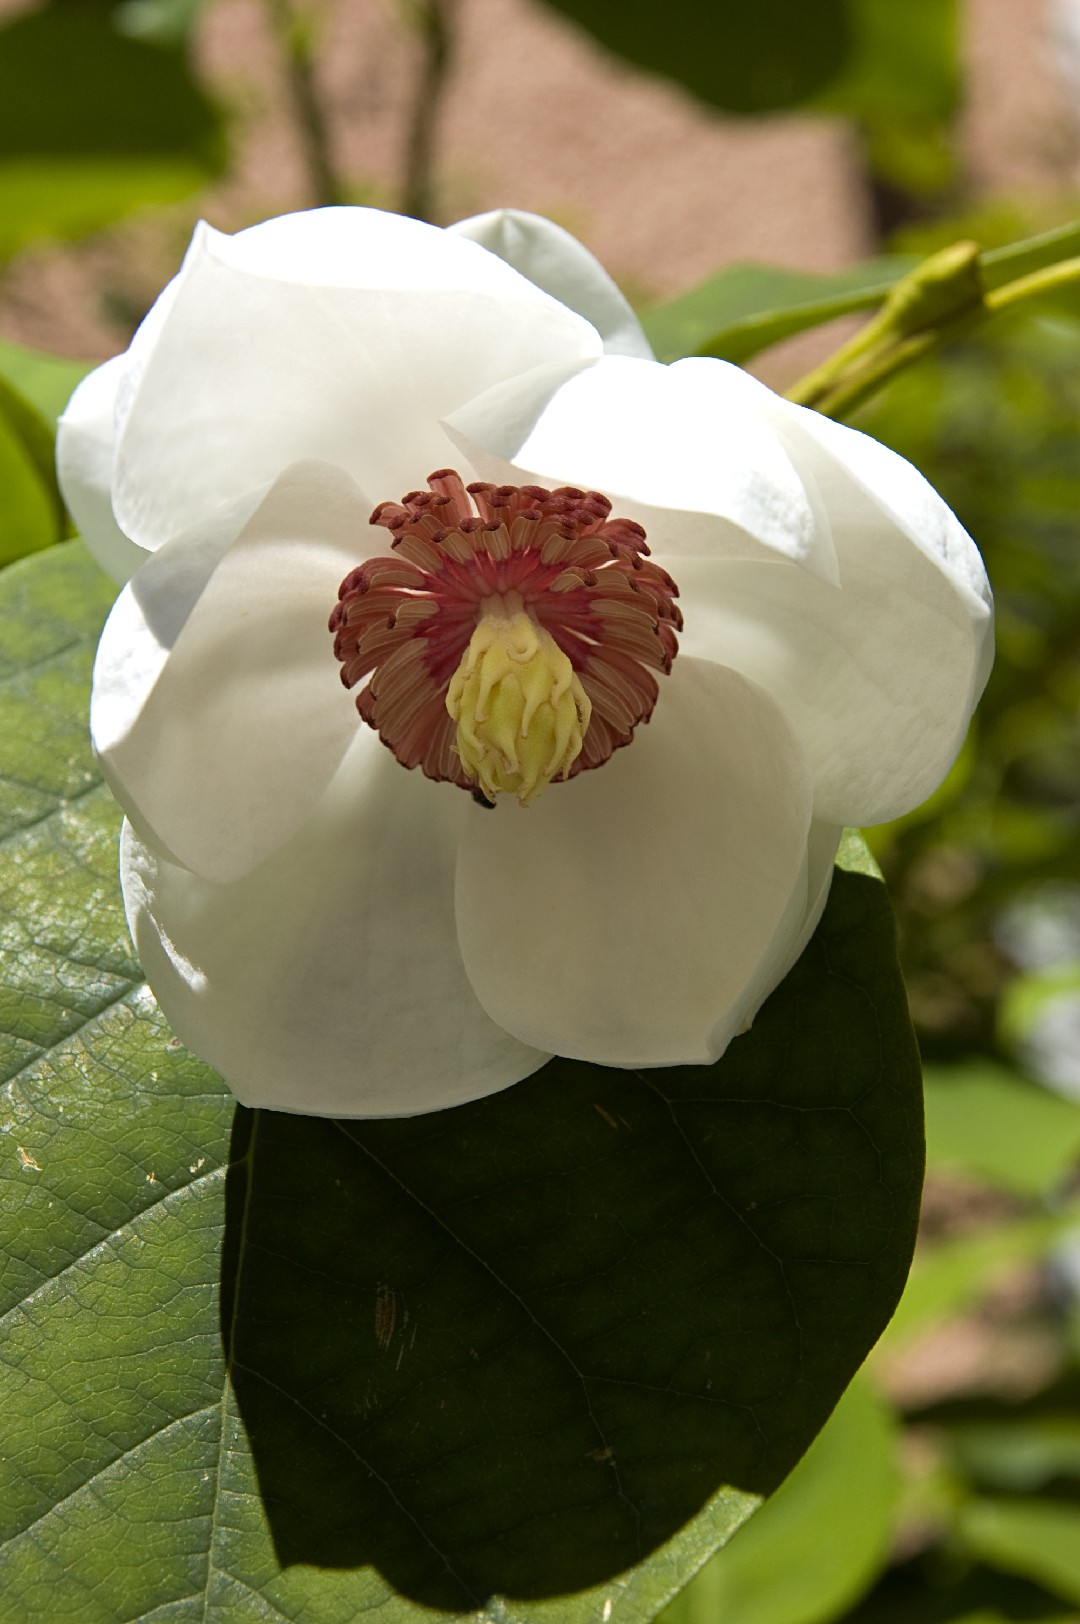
295,36
433,21
941,299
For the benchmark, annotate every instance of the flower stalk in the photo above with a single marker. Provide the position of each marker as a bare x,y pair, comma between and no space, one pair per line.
941,299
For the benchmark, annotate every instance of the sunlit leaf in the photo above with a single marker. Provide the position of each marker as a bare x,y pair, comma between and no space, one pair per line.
818,1542
550,1347
956,1275
30,516
1037,1538
1018,1456
168,21
985,1120
45,381
746,308
1005,264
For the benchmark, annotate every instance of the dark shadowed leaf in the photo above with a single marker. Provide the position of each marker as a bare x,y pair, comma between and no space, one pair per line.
902,83
816,1545
893,68
744,59
93,123
524,1359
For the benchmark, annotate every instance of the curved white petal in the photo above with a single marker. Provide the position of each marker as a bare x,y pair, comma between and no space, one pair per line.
878,676
623,918
563,267
805,907
686,450
85,439
328,981
846,465
220,734
142,627
344,334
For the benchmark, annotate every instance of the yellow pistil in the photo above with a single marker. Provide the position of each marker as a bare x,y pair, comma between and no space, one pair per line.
521,713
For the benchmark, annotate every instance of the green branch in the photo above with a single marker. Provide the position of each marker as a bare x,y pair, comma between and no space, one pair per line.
941,299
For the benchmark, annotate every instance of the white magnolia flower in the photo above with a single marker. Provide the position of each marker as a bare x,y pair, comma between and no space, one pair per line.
338,934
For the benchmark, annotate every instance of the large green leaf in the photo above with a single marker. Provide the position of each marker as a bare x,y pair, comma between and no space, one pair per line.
32,515
819,1541
1019,1454
93,123
539,1356
744,59
983,1119
894,68
44,381
1037,1538
953,1277
746,308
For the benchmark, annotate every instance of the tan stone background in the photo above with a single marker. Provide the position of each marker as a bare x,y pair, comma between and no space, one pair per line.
537,116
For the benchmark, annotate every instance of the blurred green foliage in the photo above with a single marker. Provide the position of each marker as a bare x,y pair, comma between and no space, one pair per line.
95,123
893,69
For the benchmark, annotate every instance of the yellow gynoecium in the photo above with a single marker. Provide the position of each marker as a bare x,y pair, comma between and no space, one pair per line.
521,712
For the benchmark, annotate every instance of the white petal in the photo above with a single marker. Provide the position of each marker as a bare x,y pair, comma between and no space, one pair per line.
345,335
624,916
841,458
878,677
558,263
328,981
684,449
143,626
800,919
220,735
85,440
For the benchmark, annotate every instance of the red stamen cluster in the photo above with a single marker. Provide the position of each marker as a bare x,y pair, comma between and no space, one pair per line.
405,620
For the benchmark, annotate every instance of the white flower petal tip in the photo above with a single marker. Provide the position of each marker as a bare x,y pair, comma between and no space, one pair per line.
328,982
684,449
221,734
85,437
343,334
556,262
547,755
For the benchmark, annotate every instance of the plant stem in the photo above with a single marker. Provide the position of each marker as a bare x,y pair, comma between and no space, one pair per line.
940,300
434,21
294,36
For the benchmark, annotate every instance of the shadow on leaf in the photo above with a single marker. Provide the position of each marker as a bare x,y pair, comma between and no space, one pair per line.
510,1349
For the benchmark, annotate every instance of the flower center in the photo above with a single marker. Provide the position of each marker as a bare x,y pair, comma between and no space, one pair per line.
521,712
510,636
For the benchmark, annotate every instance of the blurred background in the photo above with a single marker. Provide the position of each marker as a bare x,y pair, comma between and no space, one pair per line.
679,143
